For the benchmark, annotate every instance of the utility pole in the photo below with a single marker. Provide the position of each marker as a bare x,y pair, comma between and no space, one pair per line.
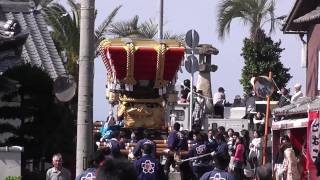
161,20
85,93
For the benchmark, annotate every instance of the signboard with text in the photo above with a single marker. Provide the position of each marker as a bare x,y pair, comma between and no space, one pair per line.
313,142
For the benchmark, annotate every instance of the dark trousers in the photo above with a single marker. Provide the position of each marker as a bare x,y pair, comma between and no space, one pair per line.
169,162
238,173
186,171
219,110
238,170
254,163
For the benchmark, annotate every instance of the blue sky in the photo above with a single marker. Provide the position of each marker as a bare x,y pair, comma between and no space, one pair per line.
182,15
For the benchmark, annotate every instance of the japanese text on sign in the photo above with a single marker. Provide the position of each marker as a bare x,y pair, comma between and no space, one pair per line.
314,139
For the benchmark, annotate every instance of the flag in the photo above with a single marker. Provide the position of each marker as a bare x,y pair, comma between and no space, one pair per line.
313,142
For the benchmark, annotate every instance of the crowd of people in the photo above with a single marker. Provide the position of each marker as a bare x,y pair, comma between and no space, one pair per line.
223,153
198,101
217,154
248,99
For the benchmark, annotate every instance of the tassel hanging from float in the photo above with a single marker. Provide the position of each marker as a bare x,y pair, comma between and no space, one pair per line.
160,92
129,79
126,87
117,87
160,82
164,90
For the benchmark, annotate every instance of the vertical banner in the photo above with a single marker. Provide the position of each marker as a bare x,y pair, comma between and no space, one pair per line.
313,143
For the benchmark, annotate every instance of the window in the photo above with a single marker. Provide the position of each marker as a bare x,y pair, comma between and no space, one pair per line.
179,114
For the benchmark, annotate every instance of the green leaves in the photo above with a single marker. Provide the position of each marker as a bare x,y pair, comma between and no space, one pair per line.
101,31
129,28
65,31
260,58
251,12
65,25
227,11
13,178
134,29
148,29
38,123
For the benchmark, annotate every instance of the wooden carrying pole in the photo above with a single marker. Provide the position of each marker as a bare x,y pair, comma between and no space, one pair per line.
266,123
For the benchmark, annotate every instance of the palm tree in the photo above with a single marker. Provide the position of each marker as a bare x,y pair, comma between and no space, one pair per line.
146,30
128,28
255,13
66,30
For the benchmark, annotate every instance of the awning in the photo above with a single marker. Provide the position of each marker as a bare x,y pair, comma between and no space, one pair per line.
290,123
302,105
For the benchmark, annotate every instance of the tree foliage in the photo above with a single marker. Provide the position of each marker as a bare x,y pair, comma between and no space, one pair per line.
260,58
46,127
65,27
251,12
133,28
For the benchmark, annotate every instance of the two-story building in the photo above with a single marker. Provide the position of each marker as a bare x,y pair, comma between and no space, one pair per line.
303,20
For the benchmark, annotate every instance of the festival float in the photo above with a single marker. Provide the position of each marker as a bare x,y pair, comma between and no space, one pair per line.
141,74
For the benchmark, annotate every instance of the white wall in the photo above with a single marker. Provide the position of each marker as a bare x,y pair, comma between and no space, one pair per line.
10,164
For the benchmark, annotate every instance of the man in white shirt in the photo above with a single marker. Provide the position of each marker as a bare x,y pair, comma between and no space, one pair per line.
298,93
57,172
219,99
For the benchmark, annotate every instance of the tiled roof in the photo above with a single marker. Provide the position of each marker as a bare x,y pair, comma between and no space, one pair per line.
302,105
293,23
310,16
39,48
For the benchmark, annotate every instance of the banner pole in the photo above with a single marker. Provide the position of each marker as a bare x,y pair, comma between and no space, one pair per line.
266,128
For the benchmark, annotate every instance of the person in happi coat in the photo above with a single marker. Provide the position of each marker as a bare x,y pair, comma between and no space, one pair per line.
113,144
95,161
220,171
146,139
175,144
148,167
203,164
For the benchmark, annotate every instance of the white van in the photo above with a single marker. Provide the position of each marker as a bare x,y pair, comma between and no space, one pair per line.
233,118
